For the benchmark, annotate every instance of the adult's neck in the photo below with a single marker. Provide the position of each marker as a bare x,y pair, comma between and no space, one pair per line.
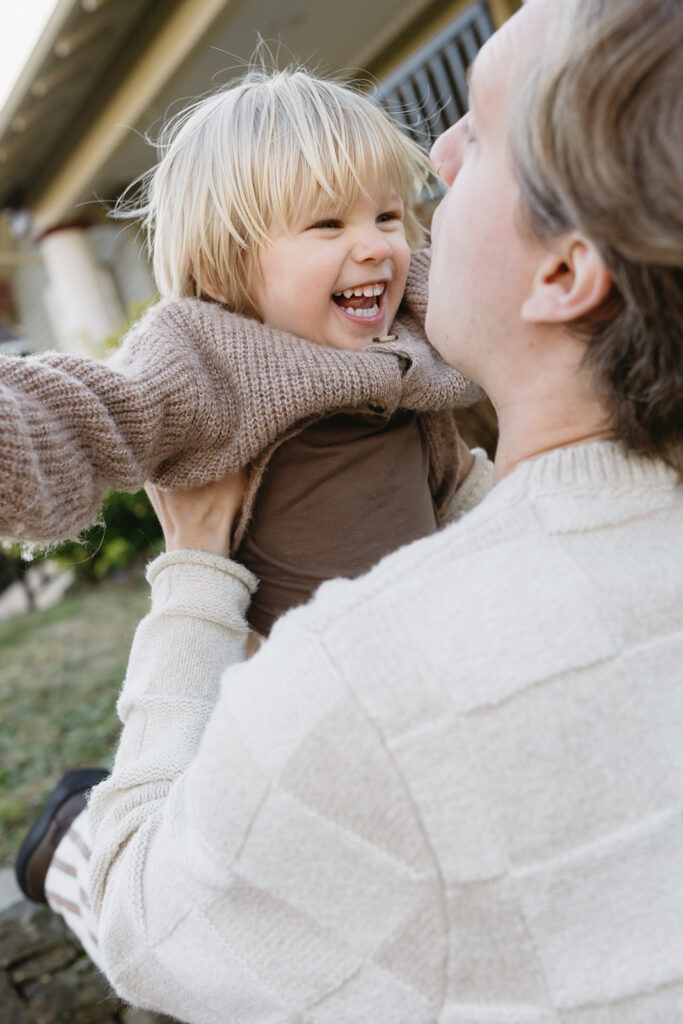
531,426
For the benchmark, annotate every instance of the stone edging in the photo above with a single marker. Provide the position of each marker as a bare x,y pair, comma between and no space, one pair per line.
46,977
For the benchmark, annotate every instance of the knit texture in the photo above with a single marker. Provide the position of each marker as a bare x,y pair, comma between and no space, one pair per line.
450,790
195,393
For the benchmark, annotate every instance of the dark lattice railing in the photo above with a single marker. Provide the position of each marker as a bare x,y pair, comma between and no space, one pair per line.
429,92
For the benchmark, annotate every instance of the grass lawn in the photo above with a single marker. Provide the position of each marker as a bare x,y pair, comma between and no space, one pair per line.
60,673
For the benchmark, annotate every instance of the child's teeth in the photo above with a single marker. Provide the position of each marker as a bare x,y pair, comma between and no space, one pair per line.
367,291
362,314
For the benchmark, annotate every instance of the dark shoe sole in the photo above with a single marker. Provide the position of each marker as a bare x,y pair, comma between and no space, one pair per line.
63,805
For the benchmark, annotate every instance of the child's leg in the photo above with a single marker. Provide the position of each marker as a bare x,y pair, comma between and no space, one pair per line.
53,862
66,883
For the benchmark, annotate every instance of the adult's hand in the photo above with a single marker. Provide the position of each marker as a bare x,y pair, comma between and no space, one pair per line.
200,518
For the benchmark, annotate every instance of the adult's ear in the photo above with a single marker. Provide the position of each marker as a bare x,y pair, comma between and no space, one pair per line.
570,282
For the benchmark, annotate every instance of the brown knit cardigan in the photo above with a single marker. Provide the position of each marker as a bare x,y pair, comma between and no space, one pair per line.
194,393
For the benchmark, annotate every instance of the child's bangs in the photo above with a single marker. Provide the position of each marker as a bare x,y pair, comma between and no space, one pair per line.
337,147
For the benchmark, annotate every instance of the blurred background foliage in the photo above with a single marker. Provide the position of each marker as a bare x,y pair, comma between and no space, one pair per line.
134,312
126,537
61,670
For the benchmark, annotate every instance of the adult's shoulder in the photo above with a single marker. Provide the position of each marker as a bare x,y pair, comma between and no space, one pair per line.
508,595
399,589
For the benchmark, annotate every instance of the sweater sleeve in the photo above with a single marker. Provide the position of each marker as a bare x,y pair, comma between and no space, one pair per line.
195,628
72,427
230,868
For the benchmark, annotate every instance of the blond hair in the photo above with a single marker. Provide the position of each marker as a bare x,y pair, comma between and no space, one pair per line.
597,142
261,156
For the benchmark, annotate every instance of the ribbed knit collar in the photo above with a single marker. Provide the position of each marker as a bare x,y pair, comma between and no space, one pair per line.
595,464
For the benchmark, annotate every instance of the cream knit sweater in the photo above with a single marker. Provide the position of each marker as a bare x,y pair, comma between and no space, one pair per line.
450,790
197,392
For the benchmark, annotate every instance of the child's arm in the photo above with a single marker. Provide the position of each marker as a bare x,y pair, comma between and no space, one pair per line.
167,407
69,429
72,427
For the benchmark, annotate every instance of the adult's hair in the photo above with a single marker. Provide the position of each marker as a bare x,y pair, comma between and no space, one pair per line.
597,141
265,154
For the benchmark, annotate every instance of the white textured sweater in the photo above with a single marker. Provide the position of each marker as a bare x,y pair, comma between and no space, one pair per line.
450,790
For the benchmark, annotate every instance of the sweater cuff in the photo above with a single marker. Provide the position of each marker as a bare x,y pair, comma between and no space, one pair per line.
211,585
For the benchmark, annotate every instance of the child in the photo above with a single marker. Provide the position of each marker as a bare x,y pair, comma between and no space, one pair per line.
285,201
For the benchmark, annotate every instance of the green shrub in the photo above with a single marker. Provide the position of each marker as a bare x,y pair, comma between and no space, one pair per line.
128,535
134,311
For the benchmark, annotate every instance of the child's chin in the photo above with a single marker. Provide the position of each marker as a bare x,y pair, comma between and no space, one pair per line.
354,342
363,334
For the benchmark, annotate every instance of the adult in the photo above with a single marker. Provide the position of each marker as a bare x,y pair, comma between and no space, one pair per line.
452,789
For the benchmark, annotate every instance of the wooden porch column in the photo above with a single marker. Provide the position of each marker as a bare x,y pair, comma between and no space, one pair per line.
81,297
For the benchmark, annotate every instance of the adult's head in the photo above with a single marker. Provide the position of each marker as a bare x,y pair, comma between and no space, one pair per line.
558,254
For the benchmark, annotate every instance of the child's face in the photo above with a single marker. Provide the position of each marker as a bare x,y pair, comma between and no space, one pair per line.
306,272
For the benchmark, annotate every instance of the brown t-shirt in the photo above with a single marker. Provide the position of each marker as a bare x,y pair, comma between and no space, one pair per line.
335,499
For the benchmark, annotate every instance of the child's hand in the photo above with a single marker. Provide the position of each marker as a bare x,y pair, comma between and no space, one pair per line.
200,518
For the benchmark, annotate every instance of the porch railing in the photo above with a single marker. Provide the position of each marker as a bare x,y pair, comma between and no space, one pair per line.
428,93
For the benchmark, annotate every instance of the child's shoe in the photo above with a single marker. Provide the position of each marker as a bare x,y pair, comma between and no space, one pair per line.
64,804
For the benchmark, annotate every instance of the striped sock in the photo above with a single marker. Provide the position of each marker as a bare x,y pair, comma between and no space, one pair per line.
66,884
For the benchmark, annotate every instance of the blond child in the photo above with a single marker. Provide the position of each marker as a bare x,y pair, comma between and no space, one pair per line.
281,225
286,201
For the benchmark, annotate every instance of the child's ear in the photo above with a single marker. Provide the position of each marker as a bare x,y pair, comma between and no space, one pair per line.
205,290
570,282
213,295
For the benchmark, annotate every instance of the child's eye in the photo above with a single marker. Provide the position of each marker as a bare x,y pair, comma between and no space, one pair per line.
389,215
322,224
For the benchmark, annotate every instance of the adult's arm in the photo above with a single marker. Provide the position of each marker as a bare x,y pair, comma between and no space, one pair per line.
238,872
225,794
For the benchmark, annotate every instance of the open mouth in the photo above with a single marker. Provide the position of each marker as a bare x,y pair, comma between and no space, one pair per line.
364,302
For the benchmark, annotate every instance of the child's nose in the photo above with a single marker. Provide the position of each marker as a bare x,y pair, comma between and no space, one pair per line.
371,244
446,153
